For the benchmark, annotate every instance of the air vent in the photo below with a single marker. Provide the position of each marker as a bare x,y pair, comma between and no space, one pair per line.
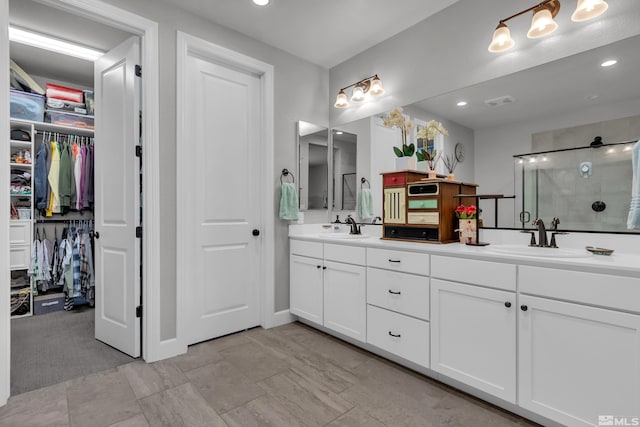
500,101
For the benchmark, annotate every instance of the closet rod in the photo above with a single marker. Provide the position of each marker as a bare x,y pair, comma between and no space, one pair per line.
60,221
53,132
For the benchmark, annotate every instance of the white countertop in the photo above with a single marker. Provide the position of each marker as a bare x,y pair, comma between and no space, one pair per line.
619,263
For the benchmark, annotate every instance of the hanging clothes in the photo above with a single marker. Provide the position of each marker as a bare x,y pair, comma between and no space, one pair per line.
41,176
53,178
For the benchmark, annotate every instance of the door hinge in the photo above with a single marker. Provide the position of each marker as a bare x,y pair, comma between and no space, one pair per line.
138,70
139,311
138,150
139,232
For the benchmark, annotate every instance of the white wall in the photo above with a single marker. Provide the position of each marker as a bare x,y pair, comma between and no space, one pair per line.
495,147
448,51
295,99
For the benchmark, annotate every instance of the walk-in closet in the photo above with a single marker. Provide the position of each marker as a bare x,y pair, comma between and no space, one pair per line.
58,192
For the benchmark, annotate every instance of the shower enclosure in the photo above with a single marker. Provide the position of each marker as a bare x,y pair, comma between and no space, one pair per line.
588,188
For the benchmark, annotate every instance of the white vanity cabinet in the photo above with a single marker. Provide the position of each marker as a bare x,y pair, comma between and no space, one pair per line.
328,286
473,328
306,278
398,303
578,361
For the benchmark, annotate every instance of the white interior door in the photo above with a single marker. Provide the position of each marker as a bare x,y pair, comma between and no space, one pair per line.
221,122
117,198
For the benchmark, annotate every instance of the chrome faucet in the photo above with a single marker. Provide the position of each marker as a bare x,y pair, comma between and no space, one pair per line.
354,225
542,233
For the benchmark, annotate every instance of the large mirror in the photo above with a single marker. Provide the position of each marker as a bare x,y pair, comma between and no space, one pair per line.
515,115
313,171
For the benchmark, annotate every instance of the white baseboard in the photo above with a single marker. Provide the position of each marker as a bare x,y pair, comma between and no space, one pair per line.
281,318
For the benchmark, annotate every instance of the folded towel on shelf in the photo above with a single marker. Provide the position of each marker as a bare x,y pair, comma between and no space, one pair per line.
288,201
365,204
633,221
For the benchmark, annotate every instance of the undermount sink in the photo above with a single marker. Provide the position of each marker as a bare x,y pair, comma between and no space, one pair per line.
346,236
534,251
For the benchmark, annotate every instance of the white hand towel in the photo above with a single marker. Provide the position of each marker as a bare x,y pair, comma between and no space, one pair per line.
365,204
633,221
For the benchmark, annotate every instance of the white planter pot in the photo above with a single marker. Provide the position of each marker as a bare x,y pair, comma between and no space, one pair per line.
404,163
422,166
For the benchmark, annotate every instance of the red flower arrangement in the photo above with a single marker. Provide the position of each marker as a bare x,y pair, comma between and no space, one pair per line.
466,212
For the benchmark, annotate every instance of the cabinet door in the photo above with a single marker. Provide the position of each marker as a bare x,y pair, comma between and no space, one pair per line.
473,336
576,362
345,299
305,292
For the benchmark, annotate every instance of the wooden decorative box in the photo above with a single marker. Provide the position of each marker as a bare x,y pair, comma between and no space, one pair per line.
419,209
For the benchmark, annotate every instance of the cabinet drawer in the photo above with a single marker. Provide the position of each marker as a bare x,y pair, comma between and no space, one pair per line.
304,248
423,204
432,218
406,262
616,292
19,257
20,232
345,253
401,292
398,334
484,273
393,179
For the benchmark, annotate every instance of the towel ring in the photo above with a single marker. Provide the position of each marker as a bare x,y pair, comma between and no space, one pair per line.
363,180
285,172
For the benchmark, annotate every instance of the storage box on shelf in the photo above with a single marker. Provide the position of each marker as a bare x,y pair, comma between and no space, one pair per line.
26,106
421,209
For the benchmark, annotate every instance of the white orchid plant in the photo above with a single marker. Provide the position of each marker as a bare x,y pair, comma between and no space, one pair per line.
396,119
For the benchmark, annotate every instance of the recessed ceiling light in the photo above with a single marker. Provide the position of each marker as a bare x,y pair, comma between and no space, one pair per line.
339,132
261,2
609,63
461,103
592,97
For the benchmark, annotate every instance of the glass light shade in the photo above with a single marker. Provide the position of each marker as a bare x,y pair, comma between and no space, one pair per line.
341,100
376,87
542,24
358,94
501,39
589,9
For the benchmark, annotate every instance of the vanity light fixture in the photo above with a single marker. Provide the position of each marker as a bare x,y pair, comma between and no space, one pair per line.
42,41
543,23
371,85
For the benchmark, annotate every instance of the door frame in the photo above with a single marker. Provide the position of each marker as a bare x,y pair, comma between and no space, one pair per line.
187,43
152,346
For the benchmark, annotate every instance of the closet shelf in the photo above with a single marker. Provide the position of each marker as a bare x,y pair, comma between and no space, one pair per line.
49,127
20,165
20,144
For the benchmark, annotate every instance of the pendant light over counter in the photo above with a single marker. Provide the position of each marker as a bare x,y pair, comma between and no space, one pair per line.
542,22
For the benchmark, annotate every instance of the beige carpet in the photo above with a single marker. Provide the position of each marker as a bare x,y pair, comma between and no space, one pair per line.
51,348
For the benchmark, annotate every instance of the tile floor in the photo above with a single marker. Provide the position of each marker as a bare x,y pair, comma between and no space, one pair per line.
292,375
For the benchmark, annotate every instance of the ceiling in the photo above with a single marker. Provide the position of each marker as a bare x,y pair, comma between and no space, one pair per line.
569,84
325,32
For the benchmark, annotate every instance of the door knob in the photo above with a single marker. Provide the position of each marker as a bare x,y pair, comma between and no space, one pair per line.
96,234
507,304
524,308
255,232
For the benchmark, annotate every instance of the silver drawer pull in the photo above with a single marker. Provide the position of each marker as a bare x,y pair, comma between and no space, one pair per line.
394,260
394,292
394,335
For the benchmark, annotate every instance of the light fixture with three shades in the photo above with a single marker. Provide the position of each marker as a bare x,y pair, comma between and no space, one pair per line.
542,23
370,85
